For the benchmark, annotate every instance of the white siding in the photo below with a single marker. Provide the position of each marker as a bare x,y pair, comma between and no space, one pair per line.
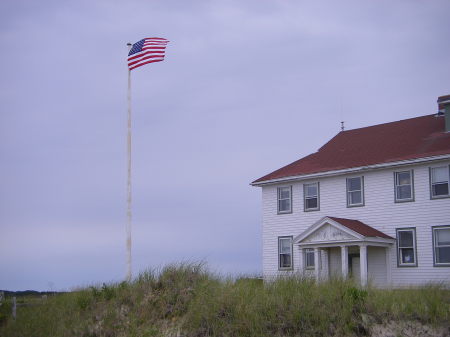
380,211
376,262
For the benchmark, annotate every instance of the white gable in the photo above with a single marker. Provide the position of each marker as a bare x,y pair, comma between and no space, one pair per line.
327,230
328,233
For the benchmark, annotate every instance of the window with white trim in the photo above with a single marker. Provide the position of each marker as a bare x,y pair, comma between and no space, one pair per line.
441,246
309,258
406,247
285,252
355,191
404,188
439,178
311,196
285,199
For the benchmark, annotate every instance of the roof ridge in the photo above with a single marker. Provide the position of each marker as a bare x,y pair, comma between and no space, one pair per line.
386,123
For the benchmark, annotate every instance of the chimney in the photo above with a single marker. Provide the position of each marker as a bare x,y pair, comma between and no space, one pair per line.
444,110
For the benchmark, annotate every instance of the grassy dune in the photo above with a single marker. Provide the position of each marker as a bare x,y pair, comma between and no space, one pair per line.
186,300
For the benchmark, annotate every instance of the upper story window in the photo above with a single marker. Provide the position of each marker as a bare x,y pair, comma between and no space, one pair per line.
404,187
439,178
285,199
441,246
406,247
311,196
355,191
285,252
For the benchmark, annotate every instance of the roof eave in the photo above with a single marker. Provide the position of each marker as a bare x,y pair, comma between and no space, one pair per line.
366,241
351,170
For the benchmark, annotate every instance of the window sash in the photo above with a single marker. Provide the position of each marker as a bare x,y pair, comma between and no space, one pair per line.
441,248
284,205
403,178
285,261
311,190
403,192
355,195
284,193
443,241
352,185
285,246
403,185
439,189
406,251
285,253
405,241
407,256
354,198
311,204
439,174
284,199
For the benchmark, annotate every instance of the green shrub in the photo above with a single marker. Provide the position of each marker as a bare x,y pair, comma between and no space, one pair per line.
96,294
83,300
356,295
187,298
5,312
108,292
427,304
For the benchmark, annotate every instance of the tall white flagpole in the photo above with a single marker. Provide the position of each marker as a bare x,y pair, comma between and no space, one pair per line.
128,242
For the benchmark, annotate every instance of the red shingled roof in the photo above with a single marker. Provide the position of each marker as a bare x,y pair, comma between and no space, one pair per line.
360,227
406,139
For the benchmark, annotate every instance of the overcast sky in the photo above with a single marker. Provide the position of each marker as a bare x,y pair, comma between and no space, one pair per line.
246,87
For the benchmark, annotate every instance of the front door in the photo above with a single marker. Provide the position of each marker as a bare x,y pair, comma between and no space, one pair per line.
355,268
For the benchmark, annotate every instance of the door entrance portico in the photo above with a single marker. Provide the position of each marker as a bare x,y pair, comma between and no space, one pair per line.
331,235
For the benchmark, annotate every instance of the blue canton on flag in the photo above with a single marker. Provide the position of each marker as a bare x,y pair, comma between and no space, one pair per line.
137,47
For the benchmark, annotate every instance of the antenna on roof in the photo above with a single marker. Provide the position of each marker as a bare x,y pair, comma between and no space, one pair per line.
342,113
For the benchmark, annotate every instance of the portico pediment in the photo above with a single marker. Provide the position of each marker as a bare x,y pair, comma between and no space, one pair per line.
327,233
332,230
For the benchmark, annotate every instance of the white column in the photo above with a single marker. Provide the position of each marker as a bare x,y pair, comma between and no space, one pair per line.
326,270
301,259
317,264
344,261
363,264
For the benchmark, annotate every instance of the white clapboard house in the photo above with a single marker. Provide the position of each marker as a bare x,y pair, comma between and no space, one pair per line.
372,203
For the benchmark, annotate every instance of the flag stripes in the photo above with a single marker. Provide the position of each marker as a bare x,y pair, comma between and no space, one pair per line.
146,51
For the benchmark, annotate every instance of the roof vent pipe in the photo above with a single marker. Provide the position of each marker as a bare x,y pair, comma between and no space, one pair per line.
444,110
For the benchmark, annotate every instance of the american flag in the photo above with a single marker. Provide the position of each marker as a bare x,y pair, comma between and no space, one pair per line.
145,51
